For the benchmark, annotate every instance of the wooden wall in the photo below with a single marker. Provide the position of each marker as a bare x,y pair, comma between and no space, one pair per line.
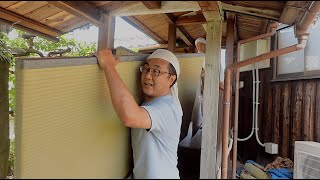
288,111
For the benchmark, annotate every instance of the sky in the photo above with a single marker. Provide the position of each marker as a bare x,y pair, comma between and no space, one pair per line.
125,35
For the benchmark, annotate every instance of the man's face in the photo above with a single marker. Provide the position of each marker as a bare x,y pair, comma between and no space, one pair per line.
155,86
201,47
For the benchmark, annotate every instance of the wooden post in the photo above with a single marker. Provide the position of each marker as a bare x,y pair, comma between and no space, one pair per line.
208,166
172,37
106,33
4,119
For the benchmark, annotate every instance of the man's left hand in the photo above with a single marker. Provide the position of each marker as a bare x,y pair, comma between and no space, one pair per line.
106,59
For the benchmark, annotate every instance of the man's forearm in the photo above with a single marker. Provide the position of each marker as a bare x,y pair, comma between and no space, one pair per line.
122,100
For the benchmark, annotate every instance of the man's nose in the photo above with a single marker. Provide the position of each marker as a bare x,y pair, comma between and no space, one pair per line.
148,74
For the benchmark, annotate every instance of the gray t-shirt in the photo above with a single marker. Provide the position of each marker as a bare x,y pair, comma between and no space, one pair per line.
155,150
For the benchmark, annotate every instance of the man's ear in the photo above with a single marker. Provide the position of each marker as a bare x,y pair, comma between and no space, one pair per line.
172,78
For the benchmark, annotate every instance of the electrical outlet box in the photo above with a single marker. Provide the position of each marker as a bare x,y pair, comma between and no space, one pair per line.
271,148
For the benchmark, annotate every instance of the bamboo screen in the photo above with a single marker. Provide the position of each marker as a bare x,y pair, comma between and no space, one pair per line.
65,124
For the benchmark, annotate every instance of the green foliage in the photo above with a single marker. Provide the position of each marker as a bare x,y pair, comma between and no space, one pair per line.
4,53
11,158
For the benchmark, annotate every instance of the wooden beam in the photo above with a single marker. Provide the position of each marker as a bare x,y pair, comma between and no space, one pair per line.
166,7
209,164
228,61
181,32
143,28
189,20
28,23
31,31
267,14
152,4
172,37
106,33
211,10
81,9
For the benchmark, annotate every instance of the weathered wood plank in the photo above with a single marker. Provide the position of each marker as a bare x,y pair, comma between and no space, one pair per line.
268,116
208,166
5,4
296,124
308,107
172,37
276,113
317,114
43,12
152,4
24,7
286,93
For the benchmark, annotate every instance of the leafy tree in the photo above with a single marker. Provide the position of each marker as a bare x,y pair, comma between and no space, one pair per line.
42,46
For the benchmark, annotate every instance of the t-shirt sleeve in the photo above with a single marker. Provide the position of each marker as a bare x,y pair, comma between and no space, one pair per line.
160,117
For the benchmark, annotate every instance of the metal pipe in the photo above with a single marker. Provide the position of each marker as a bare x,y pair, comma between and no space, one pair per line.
273,27
308,18
225,135
226,109
302,35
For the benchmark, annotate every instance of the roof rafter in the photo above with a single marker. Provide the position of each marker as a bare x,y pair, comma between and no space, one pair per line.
140,26
81,9
181,32
28,23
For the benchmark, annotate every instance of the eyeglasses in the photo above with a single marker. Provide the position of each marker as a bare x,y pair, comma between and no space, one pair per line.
153,72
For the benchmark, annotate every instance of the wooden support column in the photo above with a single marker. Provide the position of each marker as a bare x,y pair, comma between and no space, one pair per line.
172,36
209,165
106,33
229,61
4,119
230,40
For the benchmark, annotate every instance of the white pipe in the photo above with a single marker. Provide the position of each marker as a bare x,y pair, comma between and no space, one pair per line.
230,142
253,105
257,104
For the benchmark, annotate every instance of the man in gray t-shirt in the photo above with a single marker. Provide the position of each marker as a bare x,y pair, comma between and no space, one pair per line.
156,123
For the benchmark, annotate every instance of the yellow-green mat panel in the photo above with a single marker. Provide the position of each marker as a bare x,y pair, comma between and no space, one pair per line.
66,126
